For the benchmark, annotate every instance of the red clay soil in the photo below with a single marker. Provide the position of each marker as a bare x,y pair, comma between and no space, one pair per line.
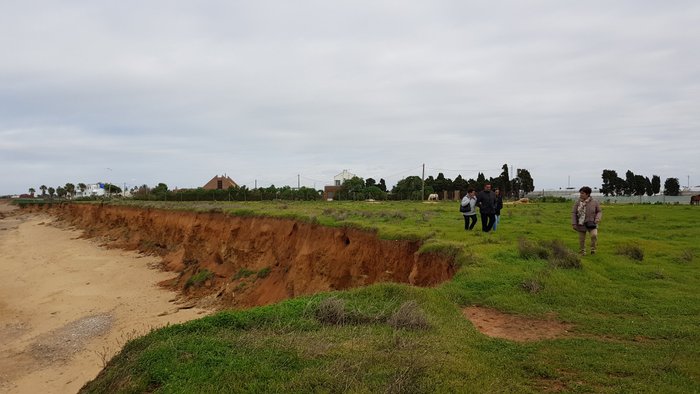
282,258
515,328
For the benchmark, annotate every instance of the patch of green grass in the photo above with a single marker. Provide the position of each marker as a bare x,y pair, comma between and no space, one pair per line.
243,273
199,278
635,325
264,273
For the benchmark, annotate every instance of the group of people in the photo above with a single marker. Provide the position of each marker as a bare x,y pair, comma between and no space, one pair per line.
585,216
489,203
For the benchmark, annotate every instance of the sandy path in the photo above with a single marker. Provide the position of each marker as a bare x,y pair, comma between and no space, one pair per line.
67,305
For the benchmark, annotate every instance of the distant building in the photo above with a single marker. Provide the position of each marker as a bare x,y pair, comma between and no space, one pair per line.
91,190
220,183
342,177
329,191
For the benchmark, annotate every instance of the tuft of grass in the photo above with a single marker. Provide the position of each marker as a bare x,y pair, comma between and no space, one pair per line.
410,316
532,250
532,285
686,256
658,274
243,273
264,273
630,250
554,251
563,257
331,311
199,278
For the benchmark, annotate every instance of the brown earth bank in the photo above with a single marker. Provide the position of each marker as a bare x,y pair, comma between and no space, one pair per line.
236,261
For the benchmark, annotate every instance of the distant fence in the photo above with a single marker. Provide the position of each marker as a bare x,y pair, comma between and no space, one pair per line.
658,199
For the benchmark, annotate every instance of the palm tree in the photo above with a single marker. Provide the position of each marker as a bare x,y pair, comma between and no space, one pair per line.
32,191
43,189
51,192
70,189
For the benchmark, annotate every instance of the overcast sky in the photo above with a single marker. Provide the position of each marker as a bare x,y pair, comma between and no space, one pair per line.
141,92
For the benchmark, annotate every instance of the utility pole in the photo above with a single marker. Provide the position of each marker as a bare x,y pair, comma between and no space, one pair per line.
298,182
422,188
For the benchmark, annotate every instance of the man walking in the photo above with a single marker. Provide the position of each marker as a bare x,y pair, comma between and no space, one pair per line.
486,201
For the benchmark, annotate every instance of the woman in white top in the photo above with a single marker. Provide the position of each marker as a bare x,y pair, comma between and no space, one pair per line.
469,201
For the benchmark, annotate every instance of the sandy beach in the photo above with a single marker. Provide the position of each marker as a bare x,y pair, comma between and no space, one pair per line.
67,305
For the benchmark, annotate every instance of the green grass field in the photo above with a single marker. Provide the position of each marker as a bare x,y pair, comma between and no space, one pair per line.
636,322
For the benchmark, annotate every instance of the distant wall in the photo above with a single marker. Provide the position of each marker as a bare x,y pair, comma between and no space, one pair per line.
614,199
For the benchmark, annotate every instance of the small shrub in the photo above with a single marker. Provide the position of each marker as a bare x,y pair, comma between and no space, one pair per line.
554,251
632,251
409,315
686,256
563,257
490,240
199,278
243,273
532,286
531,250
332,311
264,273
658,274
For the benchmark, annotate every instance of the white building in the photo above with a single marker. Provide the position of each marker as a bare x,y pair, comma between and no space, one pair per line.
92,190
342,177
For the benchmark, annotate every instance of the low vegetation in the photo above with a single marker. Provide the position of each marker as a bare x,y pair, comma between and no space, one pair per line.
634,307
199,278
632,251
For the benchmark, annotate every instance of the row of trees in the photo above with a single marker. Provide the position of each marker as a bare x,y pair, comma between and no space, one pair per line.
69,190
413,187
242,193
409,188
637,185
521,184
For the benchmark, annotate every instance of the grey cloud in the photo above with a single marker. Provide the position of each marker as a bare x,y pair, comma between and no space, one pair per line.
177,91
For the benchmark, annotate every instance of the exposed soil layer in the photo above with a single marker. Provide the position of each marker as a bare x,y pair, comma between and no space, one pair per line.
250,261
515,328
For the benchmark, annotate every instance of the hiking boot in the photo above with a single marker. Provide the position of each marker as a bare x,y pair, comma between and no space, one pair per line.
582,253
592,251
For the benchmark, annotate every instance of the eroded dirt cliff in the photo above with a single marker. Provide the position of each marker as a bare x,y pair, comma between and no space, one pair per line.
248,261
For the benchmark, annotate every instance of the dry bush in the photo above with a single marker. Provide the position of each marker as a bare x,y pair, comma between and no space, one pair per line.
563,257
632,251
332,311
554,251
686,256
409,315
532,286
531,250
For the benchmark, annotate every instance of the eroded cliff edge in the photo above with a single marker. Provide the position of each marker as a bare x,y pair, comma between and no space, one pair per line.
249,261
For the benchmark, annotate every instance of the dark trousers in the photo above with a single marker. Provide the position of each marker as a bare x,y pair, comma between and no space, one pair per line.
467,220
487,221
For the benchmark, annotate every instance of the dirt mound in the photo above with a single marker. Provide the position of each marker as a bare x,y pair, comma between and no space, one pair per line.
515,328
249,261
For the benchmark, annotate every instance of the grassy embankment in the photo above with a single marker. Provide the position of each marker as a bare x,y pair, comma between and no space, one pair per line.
636,322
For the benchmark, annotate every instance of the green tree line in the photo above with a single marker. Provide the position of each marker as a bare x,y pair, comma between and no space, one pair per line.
636,185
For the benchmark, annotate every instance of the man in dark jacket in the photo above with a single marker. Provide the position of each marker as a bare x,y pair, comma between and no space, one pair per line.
486,201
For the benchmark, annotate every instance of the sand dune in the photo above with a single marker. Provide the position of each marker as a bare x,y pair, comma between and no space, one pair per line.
67,305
